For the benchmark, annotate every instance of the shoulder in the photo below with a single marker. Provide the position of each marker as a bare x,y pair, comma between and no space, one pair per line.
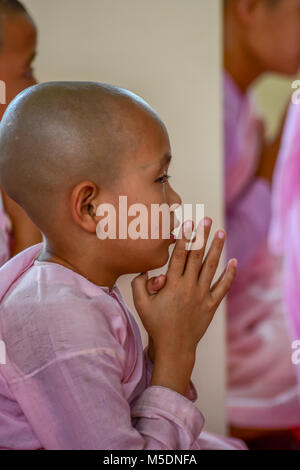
48,313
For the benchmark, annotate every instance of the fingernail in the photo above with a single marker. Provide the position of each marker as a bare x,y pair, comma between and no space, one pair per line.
188,228
221,235
207,222
234,262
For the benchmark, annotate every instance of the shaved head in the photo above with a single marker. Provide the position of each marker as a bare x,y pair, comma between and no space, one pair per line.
55,135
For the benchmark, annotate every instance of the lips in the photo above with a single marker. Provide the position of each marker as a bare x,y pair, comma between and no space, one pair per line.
172,237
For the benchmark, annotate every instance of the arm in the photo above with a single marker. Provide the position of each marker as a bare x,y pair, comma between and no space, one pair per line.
81,404
247,202
269,154
25,233
191,392
268,159
247,222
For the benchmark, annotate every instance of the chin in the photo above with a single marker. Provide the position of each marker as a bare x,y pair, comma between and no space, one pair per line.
162,259
156,259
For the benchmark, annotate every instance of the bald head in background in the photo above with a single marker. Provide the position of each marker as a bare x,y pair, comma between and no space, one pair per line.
55,135
18,43
10,7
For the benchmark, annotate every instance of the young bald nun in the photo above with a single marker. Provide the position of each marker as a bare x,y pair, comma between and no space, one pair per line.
18,38
76,375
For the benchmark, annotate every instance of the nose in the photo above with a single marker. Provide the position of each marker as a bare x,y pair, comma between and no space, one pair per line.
174,198
175,201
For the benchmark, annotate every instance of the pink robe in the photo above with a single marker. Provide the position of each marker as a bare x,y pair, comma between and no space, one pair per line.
4,234
285,226
262,384
76,375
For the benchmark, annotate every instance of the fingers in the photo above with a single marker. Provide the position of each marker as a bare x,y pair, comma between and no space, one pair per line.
195,256
219,279
212,259
155,284
224,283
139,289
179,255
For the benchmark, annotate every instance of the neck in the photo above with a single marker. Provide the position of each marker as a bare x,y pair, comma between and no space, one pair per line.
239,62
87,266
241,71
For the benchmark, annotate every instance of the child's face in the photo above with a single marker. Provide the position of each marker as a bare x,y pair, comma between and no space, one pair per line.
17,51
274,36
143,180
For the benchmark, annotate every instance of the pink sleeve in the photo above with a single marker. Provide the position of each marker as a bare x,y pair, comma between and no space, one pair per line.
81,399
191,393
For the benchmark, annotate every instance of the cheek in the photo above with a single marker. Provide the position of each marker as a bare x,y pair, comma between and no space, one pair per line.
294,44
137,212
287,43
280,51
145,191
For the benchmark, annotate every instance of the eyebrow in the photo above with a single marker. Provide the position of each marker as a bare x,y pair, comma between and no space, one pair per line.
166,160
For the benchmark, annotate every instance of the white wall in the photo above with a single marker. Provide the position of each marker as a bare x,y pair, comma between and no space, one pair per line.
273,94
169,52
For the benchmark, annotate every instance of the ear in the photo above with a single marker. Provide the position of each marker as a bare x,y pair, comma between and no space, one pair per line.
84,205
247,10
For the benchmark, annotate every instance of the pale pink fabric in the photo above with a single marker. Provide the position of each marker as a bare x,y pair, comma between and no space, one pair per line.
262,379
76,375
5,225
285,226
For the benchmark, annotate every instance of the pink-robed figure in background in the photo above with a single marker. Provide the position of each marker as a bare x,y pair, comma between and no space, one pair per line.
17,52
285,225
259,37
262,379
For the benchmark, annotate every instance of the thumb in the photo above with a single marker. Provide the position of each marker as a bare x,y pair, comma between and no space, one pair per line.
155,284
139,289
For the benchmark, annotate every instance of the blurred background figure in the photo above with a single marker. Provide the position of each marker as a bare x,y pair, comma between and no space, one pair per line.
260,36
285,222
18,39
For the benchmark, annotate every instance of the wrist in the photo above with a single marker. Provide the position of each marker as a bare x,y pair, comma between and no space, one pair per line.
173,372
177,355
